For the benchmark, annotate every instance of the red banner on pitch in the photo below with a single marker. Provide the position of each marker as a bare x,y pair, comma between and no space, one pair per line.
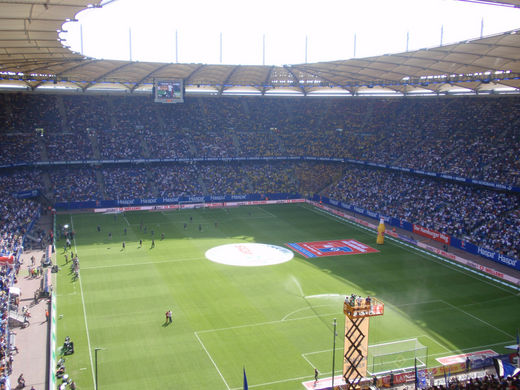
330,248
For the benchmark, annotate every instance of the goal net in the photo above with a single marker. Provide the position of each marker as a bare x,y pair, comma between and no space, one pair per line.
396,356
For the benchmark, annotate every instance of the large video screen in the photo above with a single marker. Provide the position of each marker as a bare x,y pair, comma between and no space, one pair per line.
169,91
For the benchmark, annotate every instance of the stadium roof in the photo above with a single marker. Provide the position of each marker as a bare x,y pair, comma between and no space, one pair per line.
32,56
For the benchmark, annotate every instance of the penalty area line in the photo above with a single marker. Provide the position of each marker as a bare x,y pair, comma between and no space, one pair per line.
301,378
211,359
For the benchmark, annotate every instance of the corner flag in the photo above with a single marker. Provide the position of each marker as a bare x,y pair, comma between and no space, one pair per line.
245,379
416,376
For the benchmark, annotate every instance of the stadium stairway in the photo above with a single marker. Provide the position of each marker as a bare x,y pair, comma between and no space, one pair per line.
94,143
236,143
101,183
43,149
63,113
158,116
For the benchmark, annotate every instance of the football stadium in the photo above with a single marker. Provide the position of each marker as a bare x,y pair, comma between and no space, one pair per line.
346,224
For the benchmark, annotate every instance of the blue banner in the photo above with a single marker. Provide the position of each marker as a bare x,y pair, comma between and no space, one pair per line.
171,200
27,194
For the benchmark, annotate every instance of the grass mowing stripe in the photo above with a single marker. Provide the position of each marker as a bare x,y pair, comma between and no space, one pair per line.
212,361
127,290
422,252
84,310
145,263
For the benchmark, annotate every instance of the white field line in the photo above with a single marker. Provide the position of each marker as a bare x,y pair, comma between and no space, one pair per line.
477,348
268,213
394,342
329,350
301,378
84,311
126,220
211,359
471,349
143,263
416,303
454,307
262,323
303,309
428,255
489,300
307,360
317,352
435,341
478,319
285,319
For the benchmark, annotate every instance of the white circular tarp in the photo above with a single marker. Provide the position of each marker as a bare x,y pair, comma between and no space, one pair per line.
249,254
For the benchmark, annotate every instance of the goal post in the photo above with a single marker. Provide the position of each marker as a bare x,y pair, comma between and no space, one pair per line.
396,356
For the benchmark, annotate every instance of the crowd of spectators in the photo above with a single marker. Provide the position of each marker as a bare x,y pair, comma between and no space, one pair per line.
68,146
476,137
178,180
15,214
79,184
18,148
487,382
15,217
475,214
127,183
6,358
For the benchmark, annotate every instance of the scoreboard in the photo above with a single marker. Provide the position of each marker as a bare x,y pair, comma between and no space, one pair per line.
169,91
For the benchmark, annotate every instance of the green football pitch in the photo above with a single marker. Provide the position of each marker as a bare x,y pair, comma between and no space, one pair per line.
275,321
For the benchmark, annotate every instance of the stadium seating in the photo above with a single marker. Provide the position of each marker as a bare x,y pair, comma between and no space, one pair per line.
472,137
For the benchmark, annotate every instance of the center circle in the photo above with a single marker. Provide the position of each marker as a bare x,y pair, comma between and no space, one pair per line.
249,254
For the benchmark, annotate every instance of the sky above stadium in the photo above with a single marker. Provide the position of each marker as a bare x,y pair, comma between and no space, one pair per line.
277,32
